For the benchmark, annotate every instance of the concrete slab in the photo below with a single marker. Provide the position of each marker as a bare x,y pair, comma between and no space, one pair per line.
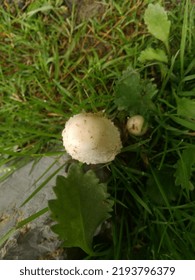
35,240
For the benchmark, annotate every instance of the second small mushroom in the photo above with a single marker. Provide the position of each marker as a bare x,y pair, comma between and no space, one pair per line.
136,125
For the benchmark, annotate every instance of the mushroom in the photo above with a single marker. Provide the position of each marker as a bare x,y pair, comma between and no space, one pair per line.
137,125
91,138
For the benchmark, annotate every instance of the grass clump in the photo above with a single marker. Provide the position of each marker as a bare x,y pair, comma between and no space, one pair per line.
54,65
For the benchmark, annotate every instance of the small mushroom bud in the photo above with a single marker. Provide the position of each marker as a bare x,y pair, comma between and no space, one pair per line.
91,138
137,125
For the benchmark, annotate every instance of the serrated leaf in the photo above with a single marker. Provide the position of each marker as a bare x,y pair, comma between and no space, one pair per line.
81,205
151,54
186,107
157,22
184,168
127,90
133,94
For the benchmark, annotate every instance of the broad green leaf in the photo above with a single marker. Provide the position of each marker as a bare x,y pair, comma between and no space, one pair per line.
151,54
81,205
134,94
184,168
186,107
127,90
157,22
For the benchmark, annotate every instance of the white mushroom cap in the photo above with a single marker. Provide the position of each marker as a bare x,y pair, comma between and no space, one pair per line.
91,139
137,125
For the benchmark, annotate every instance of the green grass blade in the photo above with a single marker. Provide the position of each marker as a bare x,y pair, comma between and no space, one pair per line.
42,185
184,37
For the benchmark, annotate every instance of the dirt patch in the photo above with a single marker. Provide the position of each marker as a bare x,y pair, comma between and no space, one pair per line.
84,9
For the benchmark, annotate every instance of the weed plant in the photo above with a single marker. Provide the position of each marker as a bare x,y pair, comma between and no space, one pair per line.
54,65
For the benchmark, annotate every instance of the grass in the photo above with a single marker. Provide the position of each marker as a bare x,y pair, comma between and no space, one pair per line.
54,66
46,75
